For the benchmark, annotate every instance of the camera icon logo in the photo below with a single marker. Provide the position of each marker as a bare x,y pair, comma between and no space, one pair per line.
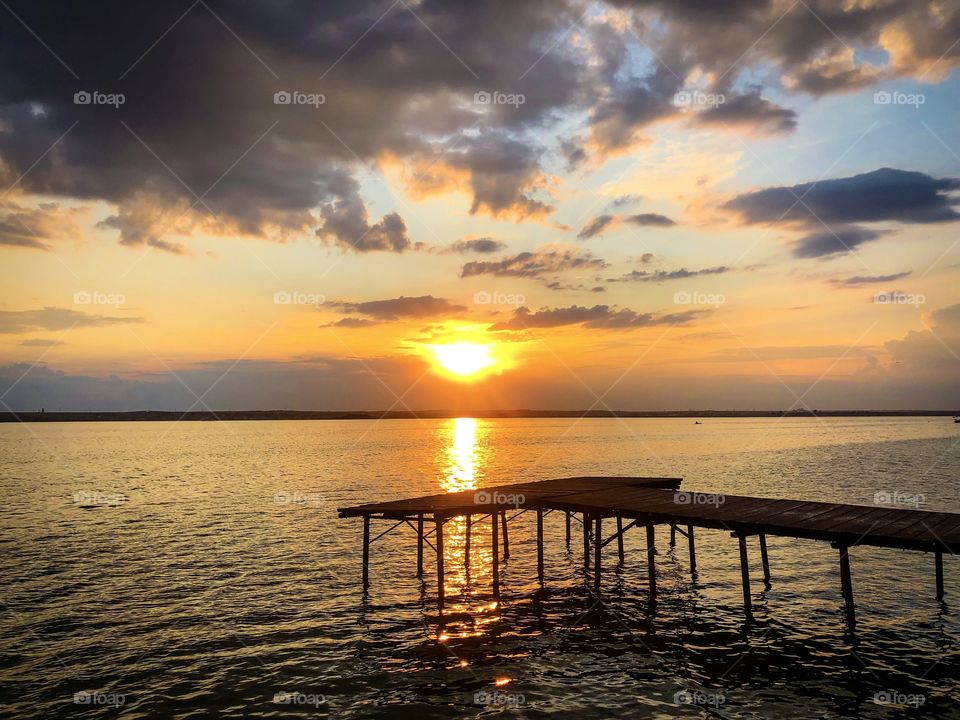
82,98
682,298
282,97
282,297
682,498
82,298
682,99
481,298
481,97
882,97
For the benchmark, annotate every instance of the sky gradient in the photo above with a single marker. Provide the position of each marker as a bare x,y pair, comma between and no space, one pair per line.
637,205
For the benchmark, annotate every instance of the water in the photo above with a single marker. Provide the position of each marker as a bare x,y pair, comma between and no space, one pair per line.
224,576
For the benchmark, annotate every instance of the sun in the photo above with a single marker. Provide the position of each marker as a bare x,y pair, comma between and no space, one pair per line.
463,360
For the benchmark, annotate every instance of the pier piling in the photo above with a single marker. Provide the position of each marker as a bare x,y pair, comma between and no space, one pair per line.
440,583
764,560
620,554
506,536
745,572
846,584
419,546
597,547
540,545
366,551
651,563
938,560
693,551
495,554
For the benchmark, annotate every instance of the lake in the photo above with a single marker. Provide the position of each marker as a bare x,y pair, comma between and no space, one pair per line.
197,569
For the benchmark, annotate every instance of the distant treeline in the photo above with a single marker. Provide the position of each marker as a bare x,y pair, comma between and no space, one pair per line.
171,415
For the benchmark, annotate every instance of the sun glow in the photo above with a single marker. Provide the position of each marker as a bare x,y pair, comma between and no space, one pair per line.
464,360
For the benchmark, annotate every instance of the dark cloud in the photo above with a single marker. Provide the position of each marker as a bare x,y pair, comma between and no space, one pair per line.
351,322
661,275
750,111
597,317
595,227
858,280
481,245
533,264
833,241
54,318
422,306
884,194
37,227
649,220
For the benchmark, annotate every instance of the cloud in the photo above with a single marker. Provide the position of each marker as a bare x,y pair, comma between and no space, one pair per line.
595,227
480,245
661,275
41,342
649,220
749,111
603,222
596,317
533,264
54,318
830,242
932,352
422,306
858,280
40,226
884,194
350,322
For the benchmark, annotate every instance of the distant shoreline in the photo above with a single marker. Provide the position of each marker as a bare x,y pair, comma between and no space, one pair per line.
172,415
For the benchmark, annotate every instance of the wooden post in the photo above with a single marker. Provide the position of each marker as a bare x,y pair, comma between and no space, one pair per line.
693,550
597,547
495,548
586,543
567,514
846,583
506,537
540,545
744,572
466,545
440,583
366,551
673,534
764,560
620,538
419,545
938,559
651,564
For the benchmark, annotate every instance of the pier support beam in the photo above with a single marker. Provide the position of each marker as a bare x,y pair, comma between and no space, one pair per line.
673,534
765,560
540,545
597,547
586,543
651,564
495,554
419,546
567,516
506,536
620,539
440,582
693,551
366,551
745,573
846,584
938,559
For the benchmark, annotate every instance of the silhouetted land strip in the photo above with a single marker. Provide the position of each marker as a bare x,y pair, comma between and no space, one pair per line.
173,415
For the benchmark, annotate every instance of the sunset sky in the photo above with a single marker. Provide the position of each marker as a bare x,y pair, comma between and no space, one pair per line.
628,205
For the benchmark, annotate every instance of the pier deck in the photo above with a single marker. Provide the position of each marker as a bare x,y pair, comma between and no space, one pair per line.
648,502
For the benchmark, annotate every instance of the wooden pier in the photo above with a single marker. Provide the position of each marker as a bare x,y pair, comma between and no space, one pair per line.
641,502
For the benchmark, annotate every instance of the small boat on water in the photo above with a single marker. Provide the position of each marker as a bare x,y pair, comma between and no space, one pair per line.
957,419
